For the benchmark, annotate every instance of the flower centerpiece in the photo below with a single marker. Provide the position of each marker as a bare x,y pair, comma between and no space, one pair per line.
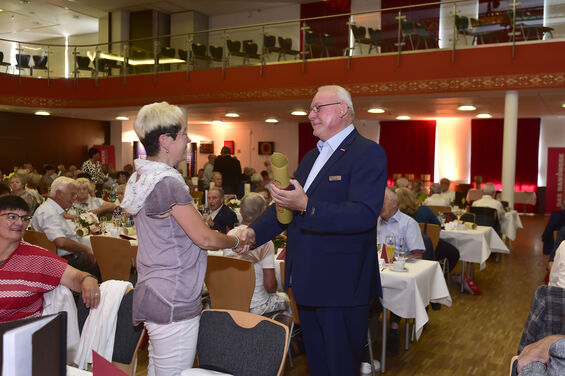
280,241
88,224
233,203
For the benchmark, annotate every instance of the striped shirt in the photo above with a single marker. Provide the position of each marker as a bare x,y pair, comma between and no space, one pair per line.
25,276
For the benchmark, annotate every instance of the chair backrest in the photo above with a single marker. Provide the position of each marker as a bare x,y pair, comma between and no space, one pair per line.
461,23
312,37
250,48
358,32
2,55
83,62
183,55
138,54
327,39
22,60
128,337
439,209
168,52
432,231
469,217
293,305
217,52
233,45
285,43
39,61
241,343
199,50
375,34
39,238
269,41
114,257
484,216
230,282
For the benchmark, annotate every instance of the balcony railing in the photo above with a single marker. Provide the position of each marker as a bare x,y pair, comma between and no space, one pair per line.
434,26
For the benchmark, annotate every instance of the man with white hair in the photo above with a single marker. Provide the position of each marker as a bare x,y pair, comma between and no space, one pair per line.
49,218
488,200
435,198
447,193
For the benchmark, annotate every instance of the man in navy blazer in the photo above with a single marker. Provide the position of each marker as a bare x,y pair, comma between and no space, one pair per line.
331,261
221,217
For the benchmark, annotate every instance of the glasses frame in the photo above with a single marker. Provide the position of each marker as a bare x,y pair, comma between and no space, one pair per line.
24,218
316,108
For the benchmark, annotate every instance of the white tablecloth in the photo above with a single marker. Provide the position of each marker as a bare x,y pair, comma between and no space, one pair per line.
510,223
408,293
475,245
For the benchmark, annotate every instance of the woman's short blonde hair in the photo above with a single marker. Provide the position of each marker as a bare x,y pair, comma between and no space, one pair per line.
407,202
157,115
87,183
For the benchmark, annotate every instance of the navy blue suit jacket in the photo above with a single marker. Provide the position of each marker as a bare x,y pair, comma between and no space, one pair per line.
331,248
556,222
225,218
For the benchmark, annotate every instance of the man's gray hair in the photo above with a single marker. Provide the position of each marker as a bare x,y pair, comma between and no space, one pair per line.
219,189
60,183
435,188
391,195
158,115
343,95
402,183
252,206
489,189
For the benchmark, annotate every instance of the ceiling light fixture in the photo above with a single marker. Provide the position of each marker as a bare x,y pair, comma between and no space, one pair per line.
403,117
299,113
467,107
42,113
232,114
484,116
376,110
217,122
271,121
122,118
563,105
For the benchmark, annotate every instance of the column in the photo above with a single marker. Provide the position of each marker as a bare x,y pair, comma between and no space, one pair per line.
509,146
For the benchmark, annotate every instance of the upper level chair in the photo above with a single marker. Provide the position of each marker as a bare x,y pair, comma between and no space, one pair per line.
168,52
462,26
114,257
39,63
313,42
217,53
198,53
286,48
128,338
22,62
3,63
39,238
376,39
250,51
234,49
239,343
359,35
269,44
83,64
230,282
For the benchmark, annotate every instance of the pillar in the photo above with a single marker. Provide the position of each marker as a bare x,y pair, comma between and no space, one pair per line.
509,146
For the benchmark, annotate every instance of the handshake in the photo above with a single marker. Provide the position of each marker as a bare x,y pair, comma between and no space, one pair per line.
246,240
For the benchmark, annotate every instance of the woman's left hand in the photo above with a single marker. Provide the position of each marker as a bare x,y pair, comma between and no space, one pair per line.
90,292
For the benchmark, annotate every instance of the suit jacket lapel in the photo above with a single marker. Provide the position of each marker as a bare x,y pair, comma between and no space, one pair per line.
337,154
308,162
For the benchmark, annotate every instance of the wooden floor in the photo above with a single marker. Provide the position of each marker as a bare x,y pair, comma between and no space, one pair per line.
477,335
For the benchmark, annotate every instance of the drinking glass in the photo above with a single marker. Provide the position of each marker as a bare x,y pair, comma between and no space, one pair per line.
390,242
401,250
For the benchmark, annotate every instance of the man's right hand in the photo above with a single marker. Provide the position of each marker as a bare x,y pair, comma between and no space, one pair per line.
247,240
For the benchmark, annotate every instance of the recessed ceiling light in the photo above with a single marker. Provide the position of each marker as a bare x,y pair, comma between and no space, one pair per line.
299,113
563,105
271,121
1,10
403,117
232,114
42,113
484,116
122,118
217,122
467,107
376,111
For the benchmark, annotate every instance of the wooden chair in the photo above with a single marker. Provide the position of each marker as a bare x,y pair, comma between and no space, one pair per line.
230,282
469,217
439,209
128,337
114,257
39,238
295,328
240,343
432,231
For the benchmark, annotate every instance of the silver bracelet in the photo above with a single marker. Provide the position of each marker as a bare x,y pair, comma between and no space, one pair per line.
236,242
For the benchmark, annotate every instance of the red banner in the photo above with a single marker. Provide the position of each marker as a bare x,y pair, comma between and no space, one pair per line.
554,194
107,154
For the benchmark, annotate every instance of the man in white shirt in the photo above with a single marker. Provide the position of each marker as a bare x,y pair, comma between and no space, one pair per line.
446,193
393,222
488,201
49,218
436,198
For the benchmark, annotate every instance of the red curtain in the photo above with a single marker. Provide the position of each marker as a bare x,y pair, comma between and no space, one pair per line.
409,146
306,140
486,151
337,27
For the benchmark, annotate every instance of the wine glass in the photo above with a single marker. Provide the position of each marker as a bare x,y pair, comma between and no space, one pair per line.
401,250
458,213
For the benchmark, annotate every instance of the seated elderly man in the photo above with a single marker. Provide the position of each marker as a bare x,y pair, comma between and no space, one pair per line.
29,271
488,200
393,222
86,201
436,198
446,193
221,217
49,218
265,298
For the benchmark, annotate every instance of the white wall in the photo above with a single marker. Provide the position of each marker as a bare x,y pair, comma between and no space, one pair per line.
552,134
453,150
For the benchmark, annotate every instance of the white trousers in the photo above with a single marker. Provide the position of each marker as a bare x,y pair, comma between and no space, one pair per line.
172,347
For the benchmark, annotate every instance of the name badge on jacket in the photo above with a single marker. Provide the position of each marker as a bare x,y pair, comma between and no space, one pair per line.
335,178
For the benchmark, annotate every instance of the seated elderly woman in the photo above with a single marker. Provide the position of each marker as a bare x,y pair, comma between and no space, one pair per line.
86,200
28,271
265,298
18,188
